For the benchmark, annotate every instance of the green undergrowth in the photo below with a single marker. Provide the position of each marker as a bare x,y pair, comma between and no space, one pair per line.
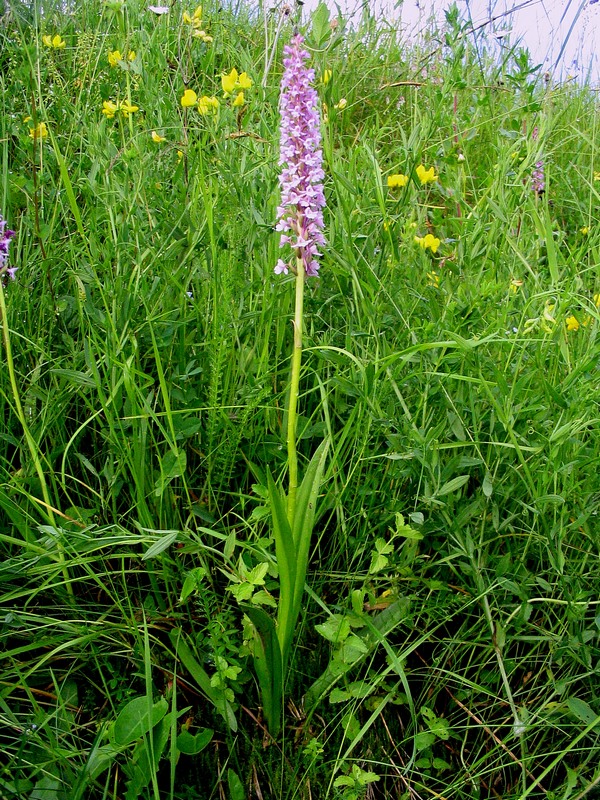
449,641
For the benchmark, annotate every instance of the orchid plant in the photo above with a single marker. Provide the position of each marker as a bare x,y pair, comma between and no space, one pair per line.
300,216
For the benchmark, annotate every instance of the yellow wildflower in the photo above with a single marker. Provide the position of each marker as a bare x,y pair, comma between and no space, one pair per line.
156,137
426,175
39,132
397,180
597,300
342,104
572,323
239,100
202,35
186,18
131,55
597,176
56,42
515,285
208,105
179,155
428,241
229,82
326,77
386,225
243,81
548,309
126,108
189,99
197,13
109,109
114,57
585,230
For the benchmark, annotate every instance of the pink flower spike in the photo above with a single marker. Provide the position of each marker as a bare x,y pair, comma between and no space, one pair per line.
300,211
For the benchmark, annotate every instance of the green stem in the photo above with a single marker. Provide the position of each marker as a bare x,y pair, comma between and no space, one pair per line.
33,450
294,388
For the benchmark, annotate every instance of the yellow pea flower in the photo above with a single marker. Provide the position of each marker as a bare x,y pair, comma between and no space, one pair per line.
229,82
572,323
342,104
397,180
109,109
179,155
202,35
39,132
56,42
208,105
428,241
189,99
131,55
239,100
157,137
585,230
326,77
197,13
126,108
426,175
515,285
186,18
114,57
244,82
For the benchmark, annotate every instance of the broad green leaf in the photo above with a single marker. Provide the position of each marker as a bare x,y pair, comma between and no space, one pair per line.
336,629
191,745
286,562
453,485
236,787
162,544
268,666
582,710
137,719
302,527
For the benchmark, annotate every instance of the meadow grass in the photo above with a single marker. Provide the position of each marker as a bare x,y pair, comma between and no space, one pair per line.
449,641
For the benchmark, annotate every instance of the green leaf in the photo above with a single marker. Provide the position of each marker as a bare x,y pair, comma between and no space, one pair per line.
192,745
236,787
286,562
582,710
344,780
487,486
321,30
192,582
172,465
302,527
268,666
453,485
137,719
339,696
162,544
336,629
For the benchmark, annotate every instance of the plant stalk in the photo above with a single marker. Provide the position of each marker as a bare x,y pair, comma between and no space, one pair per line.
294,389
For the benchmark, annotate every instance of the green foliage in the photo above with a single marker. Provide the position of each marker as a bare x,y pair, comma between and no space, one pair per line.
440,630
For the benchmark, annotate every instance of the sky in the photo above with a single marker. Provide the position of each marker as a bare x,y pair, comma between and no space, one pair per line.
563,35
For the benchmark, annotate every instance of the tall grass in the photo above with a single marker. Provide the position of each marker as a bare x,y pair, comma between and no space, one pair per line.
449,640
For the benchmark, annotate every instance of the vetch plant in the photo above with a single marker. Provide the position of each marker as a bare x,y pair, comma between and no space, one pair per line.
301,224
